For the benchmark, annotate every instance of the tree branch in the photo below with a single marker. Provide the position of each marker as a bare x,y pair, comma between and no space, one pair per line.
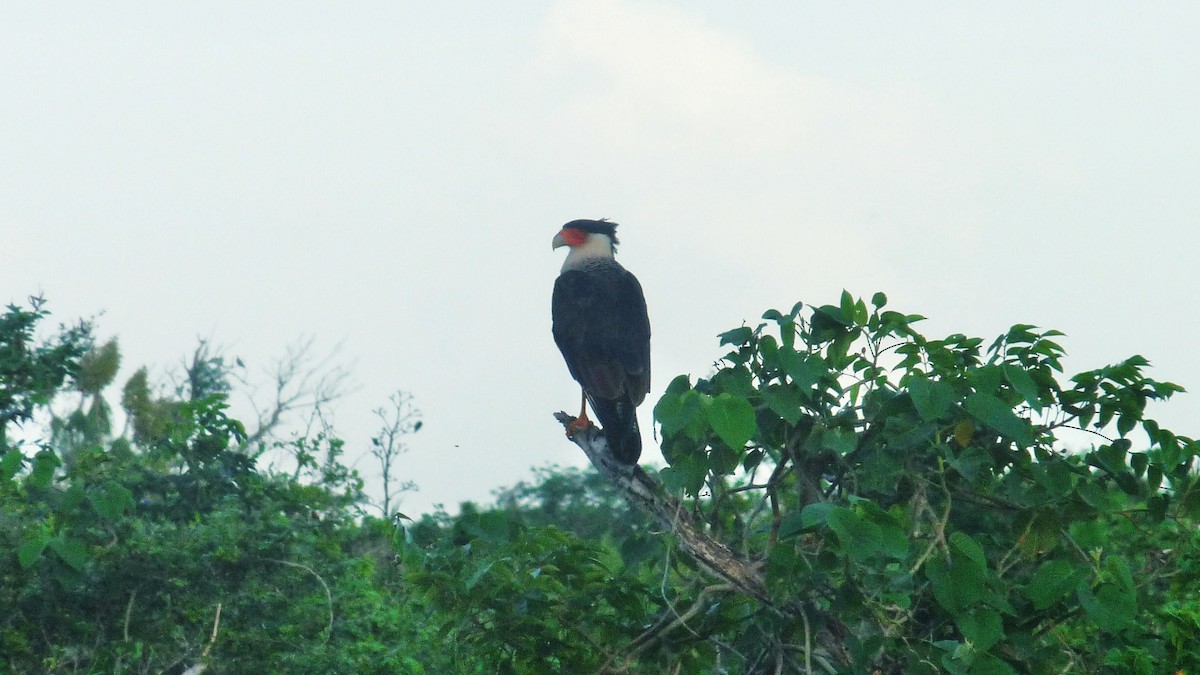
712,556
648,495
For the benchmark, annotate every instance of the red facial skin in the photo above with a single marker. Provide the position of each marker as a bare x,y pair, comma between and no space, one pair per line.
573,237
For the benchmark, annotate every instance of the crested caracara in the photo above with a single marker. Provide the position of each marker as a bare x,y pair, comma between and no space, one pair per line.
603,332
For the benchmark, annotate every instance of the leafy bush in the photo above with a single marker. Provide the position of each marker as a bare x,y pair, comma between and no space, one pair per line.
171,549
925,504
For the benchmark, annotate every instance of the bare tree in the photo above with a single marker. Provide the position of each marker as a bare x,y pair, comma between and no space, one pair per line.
299,380
398,421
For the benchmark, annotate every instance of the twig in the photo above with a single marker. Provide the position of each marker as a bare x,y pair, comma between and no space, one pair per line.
661,630
1082,554
212,639
128,614
200,666
939,526
1003,565
328,595
807,643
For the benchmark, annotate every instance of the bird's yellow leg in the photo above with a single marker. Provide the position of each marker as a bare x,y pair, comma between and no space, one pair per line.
582,422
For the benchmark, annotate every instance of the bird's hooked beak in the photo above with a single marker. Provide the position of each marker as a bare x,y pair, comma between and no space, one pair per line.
558,241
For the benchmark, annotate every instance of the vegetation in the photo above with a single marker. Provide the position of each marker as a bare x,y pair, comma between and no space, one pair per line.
908,505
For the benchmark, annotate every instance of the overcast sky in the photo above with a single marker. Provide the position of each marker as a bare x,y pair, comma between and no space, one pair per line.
389,175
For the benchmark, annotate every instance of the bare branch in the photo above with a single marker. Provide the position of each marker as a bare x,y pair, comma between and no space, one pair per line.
662,628
298,380
128,614
713,557
200,667
648,495
398,421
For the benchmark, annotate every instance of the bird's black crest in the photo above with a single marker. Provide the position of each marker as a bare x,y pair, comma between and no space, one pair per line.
601,226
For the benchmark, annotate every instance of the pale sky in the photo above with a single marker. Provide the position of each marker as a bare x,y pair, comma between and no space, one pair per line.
389,175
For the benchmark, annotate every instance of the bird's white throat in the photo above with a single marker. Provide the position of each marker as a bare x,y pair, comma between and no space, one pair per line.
597,247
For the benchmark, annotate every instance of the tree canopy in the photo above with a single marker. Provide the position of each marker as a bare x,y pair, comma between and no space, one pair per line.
842,494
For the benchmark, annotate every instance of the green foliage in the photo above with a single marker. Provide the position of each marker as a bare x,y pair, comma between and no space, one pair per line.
932,504
914,505
32,370
121,553
514,599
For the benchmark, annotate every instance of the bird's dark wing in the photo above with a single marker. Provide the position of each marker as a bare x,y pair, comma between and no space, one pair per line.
602,329
635,326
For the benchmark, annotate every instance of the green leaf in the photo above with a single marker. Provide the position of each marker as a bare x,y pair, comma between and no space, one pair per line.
840,440
806,370
816,514
736,380
847,305
1053,581
44,464
32,548
1023,384
635,549
986,664
962,542
737,336
999,416
959,584
70,551
892,538
1113,605
861,315
931,398
680,408
72,497
879,300
479,574
496,526
1089,534
971,463
10,464
792,524
981,626
782,567
110,500
1138,461
753,459
723,460
785,401
1096,496
859,537
1044,532
732,418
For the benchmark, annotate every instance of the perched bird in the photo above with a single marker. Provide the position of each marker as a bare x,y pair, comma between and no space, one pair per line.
602,329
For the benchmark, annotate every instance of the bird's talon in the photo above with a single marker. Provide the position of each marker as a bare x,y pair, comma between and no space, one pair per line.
577,425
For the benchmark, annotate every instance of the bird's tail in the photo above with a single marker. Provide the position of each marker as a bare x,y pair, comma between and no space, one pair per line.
618,418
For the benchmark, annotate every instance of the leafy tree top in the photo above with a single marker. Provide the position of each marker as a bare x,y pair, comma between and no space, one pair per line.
914,501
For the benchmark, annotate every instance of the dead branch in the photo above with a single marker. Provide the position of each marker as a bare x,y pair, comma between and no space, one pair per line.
128,614
713,557
200,667
649,496
298,380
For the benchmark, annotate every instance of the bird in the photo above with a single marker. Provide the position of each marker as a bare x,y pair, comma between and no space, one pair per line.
602,328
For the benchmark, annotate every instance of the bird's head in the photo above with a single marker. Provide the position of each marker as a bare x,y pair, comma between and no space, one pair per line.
587,239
